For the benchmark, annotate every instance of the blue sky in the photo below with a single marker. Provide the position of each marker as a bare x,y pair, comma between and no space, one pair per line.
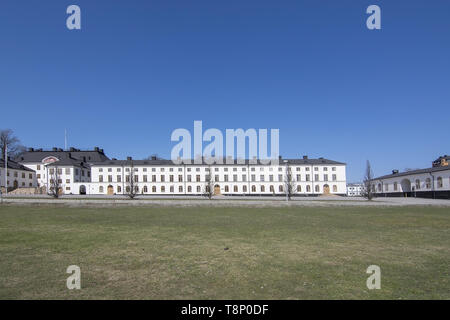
140,69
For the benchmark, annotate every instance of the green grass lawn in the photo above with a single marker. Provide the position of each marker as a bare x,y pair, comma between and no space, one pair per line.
178,253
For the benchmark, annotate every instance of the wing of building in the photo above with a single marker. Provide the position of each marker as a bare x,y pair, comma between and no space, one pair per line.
16,176
431,182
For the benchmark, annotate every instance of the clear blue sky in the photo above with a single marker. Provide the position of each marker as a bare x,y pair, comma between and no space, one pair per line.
140,69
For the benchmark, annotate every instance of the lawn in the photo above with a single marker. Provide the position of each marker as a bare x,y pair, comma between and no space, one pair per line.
179,253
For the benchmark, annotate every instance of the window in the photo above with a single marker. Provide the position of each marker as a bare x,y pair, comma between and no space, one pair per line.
308,188
263,189
235,188
280,188
244,188
199,190
280,177
299,188
189,178
439,182
109,178
225,178
261,178
334,177
171,178
145,189
271,177
180,189
417,184
67,180
119,178
216,177
379,187
171,189
235,178
136,178
428,183
100,189
197,178
253,188
316,177
100,178
395,186
38,176
299,177
67,170
38,167
163,189
317,188
334,188
189,189
307,177
333,169
100,169
253,178
153,177
154,189
119,189
271,189
163,178
180,178
325,169
298,169
386,187
244,177
325,177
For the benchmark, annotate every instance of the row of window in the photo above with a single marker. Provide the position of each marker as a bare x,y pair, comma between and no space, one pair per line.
67,171
198,189
16,174
417,185
235,169
217,178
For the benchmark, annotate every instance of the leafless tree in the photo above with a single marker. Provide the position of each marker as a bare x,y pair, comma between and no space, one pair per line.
8,139
367,191
55,182
131,183
289,183
208,190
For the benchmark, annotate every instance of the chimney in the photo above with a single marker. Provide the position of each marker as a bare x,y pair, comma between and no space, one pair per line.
153,157
72,149
394,171
114,159
129,158
55,149
305,157
101,150
59,149
30,149
96,149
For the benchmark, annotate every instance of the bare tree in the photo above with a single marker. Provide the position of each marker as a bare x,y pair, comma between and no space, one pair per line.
367,191
55,182
131,183
289,183
8,139
208,189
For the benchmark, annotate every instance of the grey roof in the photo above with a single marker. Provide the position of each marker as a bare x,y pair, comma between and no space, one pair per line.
412,172
14,165
64,156
164,162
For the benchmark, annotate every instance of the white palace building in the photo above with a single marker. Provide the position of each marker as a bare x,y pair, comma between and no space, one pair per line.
92,172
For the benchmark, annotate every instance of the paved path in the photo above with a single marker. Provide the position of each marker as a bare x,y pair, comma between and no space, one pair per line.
225,201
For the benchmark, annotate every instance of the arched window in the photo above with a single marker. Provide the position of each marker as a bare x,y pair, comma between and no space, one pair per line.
244,188
235,188
198,189
154,189
334,188
136,189
119,189
263,189
271,189
180,189
299,188
127,189
428,183
189,189
439,182
253,188
145,189
417,184
171,189
226,189
308,188
379,187
395,186
163,189
317,188
100,189
280,188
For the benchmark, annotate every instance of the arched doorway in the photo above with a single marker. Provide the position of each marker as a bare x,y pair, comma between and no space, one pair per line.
406,187
216,189
326,189
82,189
110,190
60,191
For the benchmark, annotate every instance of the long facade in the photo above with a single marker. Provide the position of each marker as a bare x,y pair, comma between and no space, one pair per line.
91,172
431,182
